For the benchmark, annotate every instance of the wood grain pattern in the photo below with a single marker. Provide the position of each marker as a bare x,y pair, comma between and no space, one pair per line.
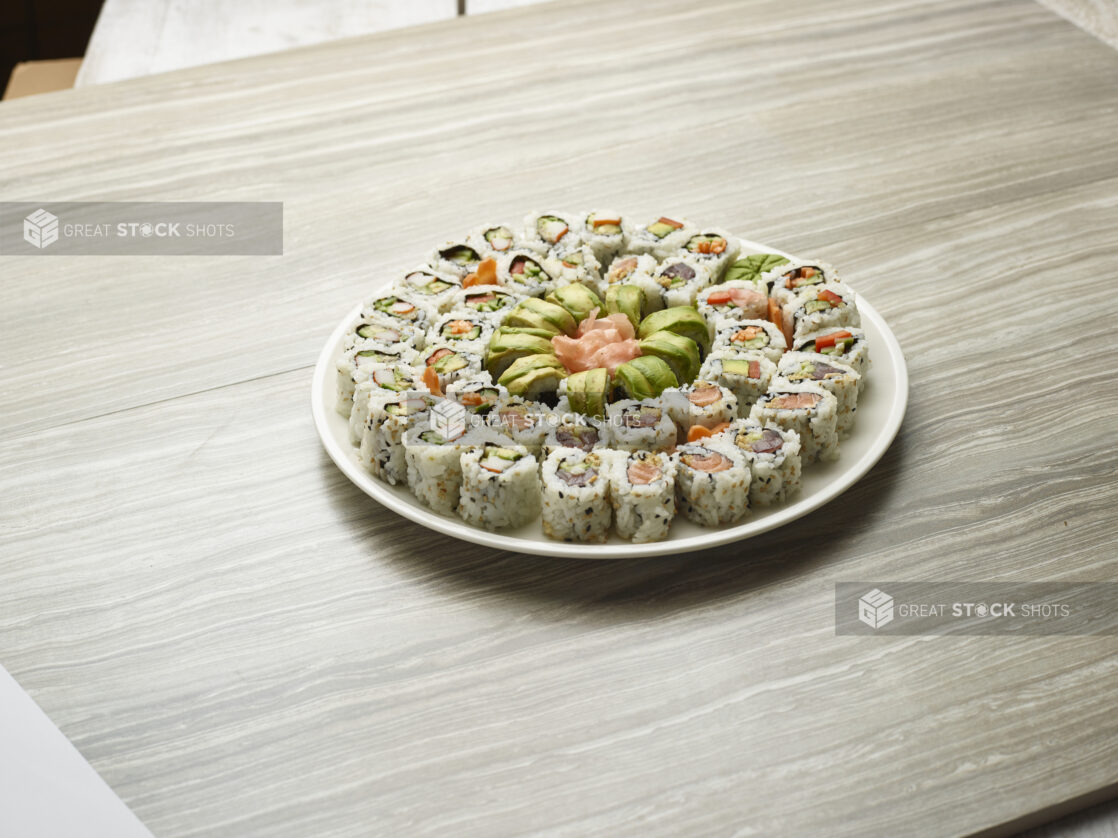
242,644
1099,17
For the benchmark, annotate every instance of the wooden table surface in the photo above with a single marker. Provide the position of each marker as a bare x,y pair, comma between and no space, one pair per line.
244,644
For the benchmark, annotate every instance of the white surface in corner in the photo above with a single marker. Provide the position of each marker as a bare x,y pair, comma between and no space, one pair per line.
47,789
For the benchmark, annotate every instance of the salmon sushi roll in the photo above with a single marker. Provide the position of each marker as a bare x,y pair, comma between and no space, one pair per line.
606,233
703,403
525,272
551,232
493,240
821,307
681,279
575,496
789,280
500,486
714,248
736,337
745,374
732,301
774,460
458,258
642,493
807,409
640,426
660,238
712,483
836,378
433,290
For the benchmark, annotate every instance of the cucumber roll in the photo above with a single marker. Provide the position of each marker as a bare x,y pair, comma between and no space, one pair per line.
524,272
712,483
491,301
500,487
479,395
702,403
450,362
774,459
465,329
534,377
660,238
382,443
380,382
738,300
640,426
745,374
434,466
523,421
742,336
642,492
357,362
636,271
606,233
805,408
791,279
572,431
577,265
845,345
551,232
456,257
575,493
834,377
434,290
405,309
821,307
681,279
494,239
714,248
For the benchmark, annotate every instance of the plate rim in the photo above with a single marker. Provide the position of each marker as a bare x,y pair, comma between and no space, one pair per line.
348,465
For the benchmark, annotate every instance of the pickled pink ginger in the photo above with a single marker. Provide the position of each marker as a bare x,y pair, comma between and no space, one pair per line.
607,342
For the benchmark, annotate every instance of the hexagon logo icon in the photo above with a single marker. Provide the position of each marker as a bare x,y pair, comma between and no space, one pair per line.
875,609
40,229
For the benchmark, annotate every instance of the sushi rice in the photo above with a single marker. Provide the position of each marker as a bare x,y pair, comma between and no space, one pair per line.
642,493
774,459
575,495
712,483
805,408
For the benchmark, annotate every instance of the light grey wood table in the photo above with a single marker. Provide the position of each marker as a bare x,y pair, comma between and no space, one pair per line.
243,644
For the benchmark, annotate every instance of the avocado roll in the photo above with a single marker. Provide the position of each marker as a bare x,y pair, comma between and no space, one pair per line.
380,382
450,362
525,272
576,265
774,459
745,374
738,300
478,394
465,329
357,362
681,279
606,233
492,240
701,403
847,345
714,248
836,378
742,336
805,408
661,237
821,307
640,426
787,281
712,483
491,301
573,431
500,486
434,466
406,309
642,492
382,441
637,271
551,232
523,421
455,257
534,377
575,496
432,289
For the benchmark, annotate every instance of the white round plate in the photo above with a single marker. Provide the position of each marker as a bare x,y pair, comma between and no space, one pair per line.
880,411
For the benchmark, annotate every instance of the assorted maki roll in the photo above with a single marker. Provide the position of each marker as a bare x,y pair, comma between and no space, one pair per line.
599,375
575,495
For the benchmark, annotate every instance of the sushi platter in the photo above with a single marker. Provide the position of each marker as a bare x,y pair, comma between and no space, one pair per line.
581,385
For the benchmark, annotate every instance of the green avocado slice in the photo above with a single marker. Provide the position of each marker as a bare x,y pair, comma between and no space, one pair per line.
532,375
588,391
505,347
645,377
679,352
683,320
576,299
627,300
534,313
